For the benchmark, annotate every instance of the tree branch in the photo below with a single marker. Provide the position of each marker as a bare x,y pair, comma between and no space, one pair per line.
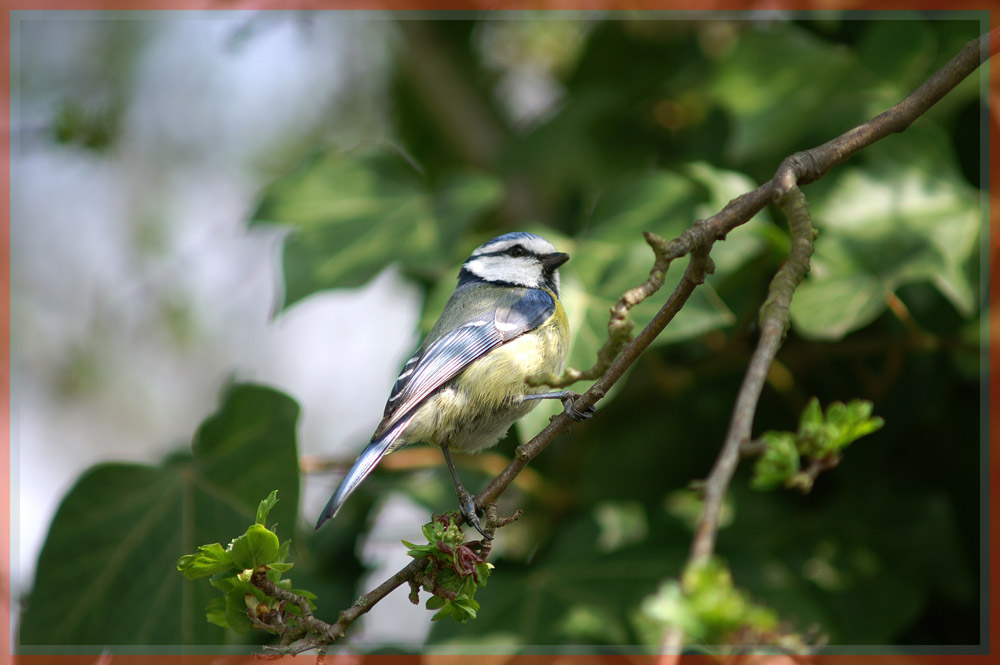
618,354
802,168
314,633
774,322
697,269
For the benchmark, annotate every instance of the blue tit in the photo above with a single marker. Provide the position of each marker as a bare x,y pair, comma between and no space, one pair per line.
466,384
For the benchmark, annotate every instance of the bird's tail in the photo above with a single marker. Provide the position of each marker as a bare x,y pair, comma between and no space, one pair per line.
363,466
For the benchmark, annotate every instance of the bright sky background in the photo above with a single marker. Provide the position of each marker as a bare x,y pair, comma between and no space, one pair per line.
138,290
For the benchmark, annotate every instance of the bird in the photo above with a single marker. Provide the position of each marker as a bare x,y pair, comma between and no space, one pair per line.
466,384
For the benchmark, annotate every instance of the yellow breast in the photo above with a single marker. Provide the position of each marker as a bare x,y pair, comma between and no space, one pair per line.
477,407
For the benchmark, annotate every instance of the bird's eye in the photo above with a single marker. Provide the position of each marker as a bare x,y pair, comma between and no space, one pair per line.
517,250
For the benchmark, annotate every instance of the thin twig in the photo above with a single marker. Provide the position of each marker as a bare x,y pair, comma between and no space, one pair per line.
414,574
260,580
801,167
774,322
697,269
805,166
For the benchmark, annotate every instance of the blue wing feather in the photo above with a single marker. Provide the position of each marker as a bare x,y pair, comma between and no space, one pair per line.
447,356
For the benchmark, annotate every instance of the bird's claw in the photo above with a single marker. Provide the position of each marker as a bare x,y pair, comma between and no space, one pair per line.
467,505
570,409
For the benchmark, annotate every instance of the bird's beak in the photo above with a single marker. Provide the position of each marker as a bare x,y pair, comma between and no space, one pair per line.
554,260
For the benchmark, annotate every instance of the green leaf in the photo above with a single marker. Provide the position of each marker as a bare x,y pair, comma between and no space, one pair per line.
353,214
215,612
265,506
585,624
283,551
740,247
613,257
464,608
778,463
906,217
534,599
710,608
236,607
105,573
209,560
819,436
483,570
454,568
622,523
843,424
667,607
444,612
784,62
257,547
811,418
830,307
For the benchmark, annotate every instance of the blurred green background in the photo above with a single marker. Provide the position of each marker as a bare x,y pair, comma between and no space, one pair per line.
589,129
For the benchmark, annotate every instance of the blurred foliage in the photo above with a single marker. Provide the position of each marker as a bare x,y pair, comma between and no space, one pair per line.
353,212
94,129
637,125
906,216
710,610
100,576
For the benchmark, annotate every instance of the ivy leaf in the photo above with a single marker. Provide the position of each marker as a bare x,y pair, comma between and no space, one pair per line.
788,63
741,247
905,217
613,257
137,520
353,214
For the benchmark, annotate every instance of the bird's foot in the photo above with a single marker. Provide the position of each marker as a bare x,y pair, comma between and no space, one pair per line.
467,505
568,398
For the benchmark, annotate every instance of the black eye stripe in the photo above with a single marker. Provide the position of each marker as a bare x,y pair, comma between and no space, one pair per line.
508,252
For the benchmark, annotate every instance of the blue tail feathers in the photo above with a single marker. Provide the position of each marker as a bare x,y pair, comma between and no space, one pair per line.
362,467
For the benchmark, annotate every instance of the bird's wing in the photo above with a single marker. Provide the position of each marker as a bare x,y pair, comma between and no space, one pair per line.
446,357
430,368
